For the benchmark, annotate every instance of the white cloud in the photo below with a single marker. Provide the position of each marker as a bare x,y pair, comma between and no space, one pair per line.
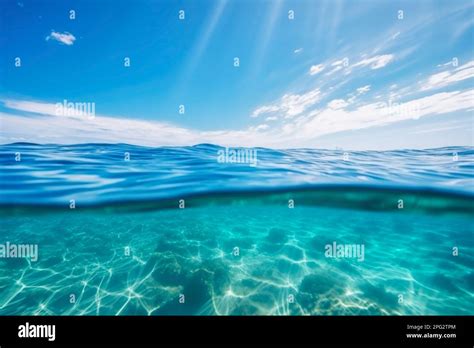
65,38
316,69
298,50
375,62
291,105
261,127
271,118
364,89
39,123
448,77
331,120
47,127
340,62
330,72
61,109
264,110
338,65
31,106
337,104
295,131
445,64
295,104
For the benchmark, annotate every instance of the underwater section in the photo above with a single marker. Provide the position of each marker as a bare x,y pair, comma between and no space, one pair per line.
260,253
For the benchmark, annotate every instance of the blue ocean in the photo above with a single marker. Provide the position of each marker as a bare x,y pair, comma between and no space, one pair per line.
131,230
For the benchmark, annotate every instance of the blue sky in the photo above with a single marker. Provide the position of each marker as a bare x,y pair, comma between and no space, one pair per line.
347,74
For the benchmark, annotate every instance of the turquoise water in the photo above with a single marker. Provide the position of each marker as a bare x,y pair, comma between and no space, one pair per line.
237,247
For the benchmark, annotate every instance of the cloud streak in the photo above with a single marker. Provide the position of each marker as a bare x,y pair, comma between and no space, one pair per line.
448,77
316,69
36,120
64,38
375,62
291,105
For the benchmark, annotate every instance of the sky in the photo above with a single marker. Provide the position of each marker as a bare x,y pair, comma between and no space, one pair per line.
322,74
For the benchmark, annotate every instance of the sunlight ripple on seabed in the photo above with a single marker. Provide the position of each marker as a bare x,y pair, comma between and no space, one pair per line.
281,253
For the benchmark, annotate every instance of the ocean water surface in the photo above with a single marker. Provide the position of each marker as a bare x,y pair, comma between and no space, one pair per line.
172,231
